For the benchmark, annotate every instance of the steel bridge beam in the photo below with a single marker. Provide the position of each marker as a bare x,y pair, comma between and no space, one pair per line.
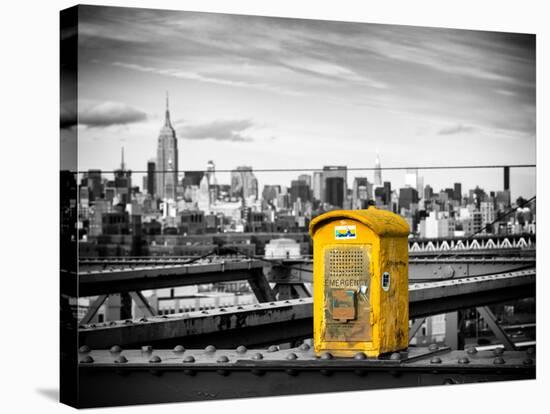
297,271
499,332
293,319
100,282
263,323
123,377
109,261
432,298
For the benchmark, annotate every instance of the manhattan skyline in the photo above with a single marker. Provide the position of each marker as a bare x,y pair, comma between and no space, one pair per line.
292,93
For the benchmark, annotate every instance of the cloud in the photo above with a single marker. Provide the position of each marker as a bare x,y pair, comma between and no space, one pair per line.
505,92
196,76
109,113
456,129
68,115
327,69
220,130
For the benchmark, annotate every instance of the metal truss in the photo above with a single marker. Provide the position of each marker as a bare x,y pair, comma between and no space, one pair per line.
290,320
131,279
259,324
432,298
140,376
110,261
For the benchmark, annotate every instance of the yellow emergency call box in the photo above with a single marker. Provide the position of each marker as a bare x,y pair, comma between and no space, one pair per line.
360,282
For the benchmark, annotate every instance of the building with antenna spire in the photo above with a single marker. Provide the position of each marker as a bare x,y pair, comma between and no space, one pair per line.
123,181
377,172
167,159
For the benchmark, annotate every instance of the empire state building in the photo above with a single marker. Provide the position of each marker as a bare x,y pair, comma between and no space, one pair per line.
167,159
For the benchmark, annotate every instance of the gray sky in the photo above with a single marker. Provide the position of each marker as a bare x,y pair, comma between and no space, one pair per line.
272,93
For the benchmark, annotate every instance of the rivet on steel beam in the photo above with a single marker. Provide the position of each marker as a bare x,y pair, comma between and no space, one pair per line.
87,360
115,349
396,356
93,325
272,303
128,321
155,359
144,320
146,348
326,355
498,351
433,347
222,359
360,356
121,359
273,348
210,348
179,348
257,356
240,307
304,347
463,360
292,356
205,312
435,360
528,361
472,350
189,359
499,361
287,301
112,323
84,349
241,349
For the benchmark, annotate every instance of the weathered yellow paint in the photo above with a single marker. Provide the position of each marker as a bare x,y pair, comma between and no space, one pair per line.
380,238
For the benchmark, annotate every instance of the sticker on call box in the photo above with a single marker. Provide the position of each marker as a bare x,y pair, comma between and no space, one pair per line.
345,232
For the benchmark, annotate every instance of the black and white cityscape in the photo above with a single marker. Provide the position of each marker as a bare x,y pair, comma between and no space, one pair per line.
207,143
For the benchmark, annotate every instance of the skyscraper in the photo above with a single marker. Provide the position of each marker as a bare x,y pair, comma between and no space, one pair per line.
95,184
299,189
167,159
377,172
317,185
407,196
506,178
123,181
334,185
361,192
458,191
334,191
306,178
244,183
213,187
151,178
